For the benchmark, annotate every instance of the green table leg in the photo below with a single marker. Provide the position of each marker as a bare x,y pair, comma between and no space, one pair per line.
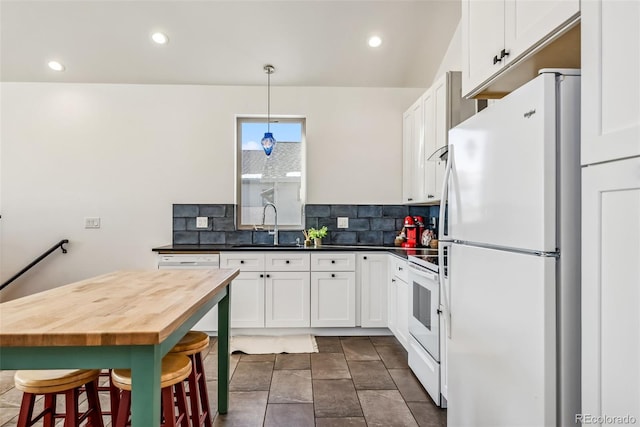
146,366
223,352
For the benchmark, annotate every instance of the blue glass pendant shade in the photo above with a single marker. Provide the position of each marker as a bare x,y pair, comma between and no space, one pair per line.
268,143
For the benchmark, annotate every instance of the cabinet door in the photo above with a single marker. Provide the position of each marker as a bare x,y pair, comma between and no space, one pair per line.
373,290
441,124
407,156
245,261
402,312
527,22
392,316
247,300
333,299
428,118
418,155
287,299
333,261
287,261
610,80
610,288
482,39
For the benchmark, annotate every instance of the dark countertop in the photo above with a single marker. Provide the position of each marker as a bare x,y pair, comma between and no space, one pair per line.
401,252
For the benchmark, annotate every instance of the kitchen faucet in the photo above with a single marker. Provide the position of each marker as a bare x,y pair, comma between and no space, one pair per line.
275,226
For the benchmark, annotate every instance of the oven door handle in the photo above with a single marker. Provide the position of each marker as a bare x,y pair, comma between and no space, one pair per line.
423,272
443,283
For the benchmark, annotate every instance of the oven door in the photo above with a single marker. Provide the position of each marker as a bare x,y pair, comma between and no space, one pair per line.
424,297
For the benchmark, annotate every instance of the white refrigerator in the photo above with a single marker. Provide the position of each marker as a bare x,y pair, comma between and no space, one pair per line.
511,289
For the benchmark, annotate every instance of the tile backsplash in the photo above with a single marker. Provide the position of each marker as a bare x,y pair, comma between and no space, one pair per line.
368,224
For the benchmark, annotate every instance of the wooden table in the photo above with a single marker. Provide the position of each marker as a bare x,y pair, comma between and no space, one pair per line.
125,319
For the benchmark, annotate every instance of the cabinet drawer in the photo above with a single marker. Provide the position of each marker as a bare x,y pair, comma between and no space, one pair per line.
245,261
337,261
287,261
399,268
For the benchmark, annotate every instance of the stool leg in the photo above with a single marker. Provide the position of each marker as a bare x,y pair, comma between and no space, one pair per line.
26,409
49,410
194,393
114,400
93,402
202,391
168,408
181,403
124,407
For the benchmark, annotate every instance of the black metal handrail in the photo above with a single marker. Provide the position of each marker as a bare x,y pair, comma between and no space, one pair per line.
35,261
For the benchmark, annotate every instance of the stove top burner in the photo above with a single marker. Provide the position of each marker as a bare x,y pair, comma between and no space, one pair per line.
427,258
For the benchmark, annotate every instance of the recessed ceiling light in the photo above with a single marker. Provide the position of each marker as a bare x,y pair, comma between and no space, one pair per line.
56,66
160,38
375,41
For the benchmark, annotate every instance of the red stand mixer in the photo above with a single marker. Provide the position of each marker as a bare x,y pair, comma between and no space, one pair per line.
414,226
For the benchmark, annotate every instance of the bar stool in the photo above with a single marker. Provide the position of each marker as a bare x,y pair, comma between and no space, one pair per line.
51,383
114,394
175,369
192,345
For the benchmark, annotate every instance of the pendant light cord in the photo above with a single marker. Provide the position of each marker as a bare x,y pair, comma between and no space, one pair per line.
268,100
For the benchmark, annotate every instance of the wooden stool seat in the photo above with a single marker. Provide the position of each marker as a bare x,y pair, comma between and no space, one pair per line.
54,382
175,369
192,345
192,342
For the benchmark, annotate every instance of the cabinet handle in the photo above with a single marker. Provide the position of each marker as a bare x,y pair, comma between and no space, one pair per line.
262,275
268,275
504,53
364,257
333,261
496,60
241,261
400,268
410,199
333,275
430,196
286,262
393,280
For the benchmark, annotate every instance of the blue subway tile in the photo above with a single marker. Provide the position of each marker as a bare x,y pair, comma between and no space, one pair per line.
262,238
383,224
369,211
395,211
388,238
317,210
399,223
290,236
370,238
330,223
343,238
212,238
185,238
311,222
224,224
243,237
179,224
350,211
218,211
185,211
358,224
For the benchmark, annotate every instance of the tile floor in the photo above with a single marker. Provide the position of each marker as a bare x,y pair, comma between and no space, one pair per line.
351,381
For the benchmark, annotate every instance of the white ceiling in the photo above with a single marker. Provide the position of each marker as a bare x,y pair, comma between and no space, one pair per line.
310,42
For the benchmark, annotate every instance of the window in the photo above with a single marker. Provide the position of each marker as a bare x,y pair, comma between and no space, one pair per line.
278,178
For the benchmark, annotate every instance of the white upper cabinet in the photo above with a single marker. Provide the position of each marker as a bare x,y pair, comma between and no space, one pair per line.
426,128
497,34
610,80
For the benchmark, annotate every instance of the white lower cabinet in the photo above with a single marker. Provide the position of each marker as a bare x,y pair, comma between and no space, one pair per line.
372,276
247,300
333,299
398,304
287,299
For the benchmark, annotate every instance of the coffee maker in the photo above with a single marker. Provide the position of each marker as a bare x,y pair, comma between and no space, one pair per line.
414,226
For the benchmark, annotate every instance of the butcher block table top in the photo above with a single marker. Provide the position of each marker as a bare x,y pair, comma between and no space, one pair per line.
120,308
124,319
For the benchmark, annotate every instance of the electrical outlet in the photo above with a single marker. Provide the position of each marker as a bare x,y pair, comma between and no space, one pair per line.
92,222
202,222
343,222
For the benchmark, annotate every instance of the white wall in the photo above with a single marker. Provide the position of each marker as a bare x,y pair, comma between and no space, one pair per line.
126,153
452,59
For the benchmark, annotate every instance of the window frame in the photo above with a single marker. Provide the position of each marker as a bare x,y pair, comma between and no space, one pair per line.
247,118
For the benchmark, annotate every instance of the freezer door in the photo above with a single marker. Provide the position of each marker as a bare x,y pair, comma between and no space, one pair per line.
501,353
502,188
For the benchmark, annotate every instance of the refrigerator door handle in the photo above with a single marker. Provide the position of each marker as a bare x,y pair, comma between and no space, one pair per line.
443,195
444,292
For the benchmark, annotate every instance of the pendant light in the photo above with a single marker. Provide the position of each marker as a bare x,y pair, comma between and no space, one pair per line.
268,141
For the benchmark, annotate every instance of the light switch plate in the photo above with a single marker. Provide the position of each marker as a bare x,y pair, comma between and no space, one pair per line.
92,222
202,222
343,222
